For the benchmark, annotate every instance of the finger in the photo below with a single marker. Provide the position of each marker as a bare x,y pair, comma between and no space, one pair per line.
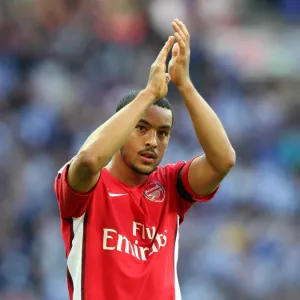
178,29
162,56
175,50
183,28
168,78
181,43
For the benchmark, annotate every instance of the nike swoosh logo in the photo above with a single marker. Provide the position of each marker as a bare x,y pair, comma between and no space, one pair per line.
116,195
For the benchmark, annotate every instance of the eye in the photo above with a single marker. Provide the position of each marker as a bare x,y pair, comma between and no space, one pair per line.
140,127
163,133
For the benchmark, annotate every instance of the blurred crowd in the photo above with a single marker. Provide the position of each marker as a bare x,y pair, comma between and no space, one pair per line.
64,65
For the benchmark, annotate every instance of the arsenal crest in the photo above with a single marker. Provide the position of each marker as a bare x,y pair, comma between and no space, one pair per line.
154,192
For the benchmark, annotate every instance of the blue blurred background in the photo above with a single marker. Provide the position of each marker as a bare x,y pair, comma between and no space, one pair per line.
64,65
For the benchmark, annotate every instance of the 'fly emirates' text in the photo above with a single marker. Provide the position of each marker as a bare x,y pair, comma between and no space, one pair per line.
114,241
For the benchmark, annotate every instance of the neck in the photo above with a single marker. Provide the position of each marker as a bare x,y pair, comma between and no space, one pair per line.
121,171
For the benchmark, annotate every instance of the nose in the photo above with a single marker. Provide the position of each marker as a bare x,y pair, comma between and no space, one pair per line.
151,140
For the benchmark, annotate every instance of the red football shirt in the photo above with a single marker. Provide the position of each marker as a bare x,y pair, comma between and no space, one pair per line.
122,242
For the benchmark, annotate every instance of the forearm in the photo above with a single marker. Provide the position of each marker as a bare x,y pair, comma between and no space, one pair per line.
209,129
108,138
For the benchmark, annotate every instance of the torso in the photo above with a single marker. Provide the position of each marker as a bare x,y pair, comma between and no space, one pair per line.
126,240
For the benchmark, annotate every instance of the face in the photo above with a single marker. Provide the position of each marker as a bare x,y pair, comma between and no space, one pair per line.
147,144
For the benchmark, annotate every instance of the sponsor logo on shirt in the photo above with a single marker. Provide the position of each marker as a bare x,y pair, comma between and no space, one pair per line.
113,241
155,192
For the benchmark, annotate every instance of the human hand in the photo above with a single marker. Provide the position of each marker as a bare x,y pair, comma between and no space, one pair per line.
179,64
158,78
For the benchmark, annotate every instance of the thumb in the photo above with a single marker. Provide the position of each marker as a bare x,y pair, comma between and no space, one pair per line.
175,50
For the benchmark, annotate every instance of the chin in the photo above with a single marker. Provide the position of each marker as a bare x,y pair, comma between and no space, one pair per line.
143,170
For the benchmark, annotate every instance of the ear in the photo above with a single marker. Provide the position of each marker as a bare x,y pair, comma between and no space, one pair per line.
175,50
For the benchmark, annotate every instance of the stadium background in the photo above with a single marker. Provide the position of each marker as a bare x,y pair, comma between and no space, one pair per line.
64,66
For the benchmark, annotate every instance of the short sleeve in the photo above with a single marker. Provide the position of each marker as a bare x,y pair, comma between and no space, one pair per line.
186,197
71,204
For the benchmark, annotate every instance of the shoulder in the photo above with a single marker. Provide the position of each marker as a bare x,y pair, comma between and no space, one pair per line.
61,180
168,172
171,168
64,168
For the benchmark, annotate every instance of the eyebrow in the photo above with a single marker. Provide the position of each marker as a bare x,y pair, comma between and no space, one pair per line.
150,125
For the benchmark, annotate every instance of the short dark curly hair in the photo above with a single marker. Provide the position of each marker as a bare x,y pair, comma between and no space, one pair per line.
163,102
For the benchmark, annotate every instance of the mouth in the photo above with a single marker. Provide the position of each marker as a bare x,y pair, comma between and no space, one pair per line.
148,157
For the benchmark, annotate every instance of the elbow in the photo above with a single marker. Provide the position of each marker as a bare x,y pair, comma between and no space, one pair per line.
89,163
230,159
228,162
